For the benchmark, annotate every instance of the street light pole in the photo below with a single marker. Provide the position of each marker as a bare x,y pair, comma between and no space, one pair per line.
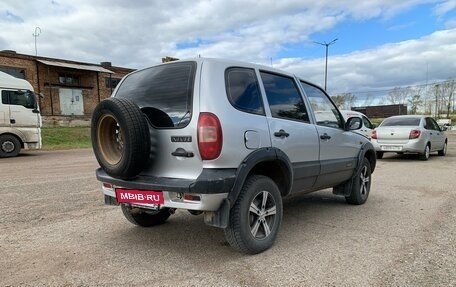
326,65
35,35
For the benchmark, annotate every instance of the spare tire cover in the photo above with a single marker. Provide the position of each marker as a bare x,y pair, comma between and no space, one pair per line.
120,138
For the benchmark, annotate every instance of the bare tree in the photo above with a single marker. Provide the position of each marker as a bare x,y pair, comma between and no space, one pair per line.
415,103
368,100
350,100
436,94
400,95
447,94
344,101
339,100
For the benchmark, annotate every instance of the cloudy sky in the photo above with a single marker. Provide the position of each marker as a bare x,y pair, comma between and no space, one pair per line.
381,44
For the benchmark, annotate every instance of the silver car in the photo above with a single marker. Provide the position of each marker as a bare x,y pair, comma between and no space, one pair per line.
409,134
226,140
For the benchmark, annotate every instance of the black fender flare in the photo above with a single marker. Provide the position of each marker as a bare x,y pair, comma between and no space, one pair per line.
268,154
220,217
367,150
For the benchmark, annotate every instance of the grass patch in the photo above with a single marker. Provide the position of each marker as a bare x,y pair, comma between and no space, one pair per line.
65,138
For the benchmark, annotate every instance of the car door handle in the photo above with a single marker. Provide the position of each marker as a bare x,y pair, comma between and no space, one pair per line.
325,136
281,134
182,152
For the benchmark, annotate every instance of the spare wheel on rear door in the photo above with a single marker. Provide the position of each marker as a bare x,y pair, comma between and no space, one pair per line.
120,138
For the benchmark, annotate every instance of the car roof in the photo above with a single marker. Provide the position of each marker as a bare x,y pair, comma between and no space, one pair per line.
409,116
234,63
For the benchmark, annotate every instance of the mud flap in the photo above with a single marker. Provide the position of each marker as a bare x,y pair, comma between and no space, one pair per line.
344,189
220,217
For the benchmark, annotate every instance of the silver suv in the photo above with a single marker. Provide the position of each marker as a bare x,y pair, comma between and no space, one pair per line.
227,140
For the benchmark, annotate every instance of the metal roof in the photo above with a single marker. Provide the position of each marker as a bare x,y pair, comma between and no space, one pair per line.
76,66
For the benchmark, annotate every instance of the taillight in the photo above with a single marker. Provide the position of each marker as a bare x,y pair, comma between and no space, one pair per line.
414,134
210,139
374,134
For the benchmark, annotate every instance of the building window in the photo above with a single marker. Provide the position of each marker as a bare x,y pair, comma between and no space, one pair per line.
112,82
68,80
15,72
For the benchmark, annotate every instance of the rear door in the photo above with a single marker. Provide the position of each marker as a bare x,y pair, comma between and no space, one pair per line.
436,136
165,94
339,149
290,128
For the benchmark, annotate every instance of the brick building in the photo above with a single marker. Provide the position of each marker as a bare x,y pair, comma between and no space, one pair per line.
382,111
69,88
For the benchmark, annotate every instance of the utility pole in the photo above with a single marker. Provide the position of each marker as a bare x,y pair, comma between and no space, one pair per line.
326,65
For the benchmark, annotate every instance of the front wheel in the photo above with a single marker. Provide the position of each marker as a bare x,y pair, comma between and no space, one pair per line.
145,218
443,151
256,216
361,184
9,146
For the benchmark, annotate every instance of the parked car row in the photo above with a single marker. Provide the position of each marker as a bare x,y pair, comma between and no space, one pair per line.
413,134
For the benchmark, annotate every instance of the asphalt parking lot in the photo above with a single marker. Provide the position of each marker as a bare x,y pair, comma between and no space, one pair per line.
56,231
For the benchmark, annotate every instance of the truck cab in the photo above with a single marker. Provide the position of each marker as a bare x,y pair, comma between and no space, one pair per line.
20,119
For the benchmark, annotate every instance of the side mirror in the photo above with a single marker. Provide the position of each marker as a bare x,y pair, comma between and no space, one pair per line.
353,123
444,128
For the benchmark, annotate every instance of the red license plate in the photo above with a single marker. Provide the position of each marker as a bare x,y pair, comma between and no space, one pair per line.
135,196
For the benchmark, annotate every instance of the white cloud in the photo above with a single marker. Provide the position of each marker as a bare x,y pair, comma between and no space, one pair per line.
431,58
444,7
137,34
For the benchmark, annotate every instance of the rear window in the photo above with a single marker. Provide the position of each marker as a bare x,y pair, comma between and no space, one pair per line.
243,90
164,93
401,122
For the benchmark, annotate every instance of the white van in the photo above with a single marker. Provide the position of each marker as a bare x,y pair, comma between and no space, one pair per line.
367,127
20,119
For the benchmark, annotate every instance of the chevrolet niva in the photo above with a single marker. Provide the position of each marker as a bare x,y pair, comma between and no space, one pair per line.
228,140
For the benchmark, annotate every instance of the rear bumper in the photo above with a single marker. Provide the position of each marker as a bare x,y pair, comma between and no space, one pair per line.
410,147
212,187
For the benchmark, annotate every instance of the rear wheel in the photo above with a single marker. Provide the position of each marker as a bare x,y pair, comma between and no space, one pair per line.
443,151
144,217
9,146
379,154
256,216
426,153
361,184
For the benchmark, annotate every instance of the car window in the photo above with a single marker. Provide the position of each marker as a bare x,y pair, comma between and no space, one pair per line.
325,111
367,123
431,124
19,98
243,90
284,98
164,93
401,122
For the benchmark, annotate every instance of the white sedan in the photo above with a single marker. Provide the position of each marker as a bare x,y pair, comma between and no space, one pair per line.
367,127
409,134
